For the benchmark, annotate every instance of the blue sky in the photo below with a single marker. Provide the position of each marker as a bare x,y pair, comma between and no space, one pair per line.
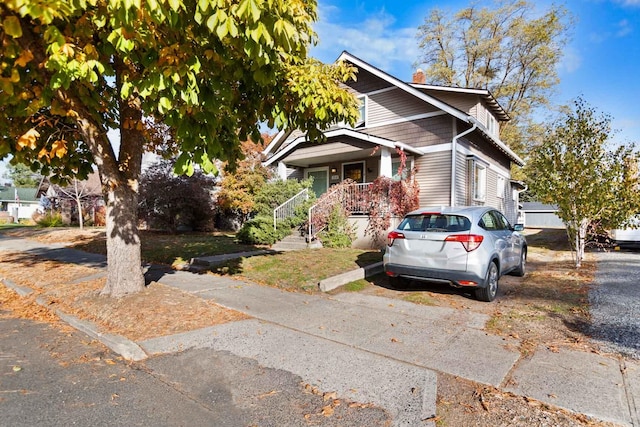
601,62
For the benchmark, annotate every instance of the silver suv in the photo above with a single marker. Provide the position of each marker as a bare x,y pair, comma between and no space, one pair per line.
470,247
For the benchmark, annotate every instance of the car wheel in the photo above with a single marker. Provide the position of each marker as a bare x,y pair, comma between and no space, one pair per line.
398,282
522,267
488,293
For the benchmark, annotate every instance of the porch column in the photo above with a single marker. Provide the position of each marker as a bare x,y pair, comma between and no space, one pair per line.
385,162
282,171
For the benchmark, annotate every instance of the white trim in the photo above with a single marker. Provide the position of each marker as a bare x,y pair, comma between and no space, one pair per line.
451,89
406,119
344,132
438,148
346,56
490,165
273,142
364,169
378,91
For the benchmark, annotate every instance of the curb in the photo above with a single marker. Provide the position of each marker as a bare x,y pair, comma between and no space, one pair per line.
119,344
331,283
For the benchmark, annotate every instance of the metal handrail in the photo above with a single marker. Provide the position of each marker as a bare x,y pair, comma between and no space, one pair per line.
287,209
354,198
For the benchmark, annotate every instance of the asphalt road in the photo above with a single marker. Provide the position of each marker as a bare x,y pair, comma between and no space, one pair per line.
57,377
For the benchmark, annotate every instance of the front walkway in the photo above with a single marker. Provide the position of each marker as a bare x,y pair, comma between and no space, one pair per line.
387,352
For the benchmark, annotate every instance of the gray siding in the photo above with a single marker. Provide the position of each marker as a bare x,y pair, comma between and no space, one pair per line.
434,176
462,184
295,173
484,149
463,102
368,83
394,104
418,133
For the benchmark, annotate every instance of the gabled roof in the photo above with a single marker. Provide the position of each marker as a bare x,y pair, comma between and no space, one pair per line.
416,92
486,95
384,142
25,194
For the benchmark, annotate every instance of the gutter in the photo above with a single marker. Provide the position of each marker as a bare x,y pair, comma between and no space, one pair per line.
454,151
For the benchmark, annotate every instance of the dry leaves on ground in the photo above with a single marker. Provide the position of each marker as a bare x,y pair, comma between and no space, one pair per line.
158,310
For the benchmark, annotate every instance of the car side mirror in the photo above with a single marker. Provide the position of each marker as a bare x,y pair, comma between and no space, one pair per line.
518,227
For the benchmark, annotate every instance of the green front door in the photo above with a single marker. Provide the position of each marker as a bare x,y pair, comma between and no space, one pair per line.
320,181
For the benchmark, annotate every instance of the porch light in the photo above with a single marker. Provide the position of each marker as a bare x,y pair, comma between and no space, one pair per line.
334,170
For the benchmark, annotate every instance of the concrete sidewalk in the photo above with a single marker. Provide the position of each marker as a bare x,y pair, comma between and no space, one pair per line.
387,352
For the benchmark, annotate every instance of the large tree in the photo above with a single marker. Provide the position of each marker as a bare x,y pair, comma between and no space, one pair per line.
594,185
509,50
210,70
21,176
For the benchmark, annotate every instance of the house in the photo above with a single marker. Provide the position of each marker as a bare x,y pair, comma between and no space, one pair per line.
449,135
540,215
65,199
18,203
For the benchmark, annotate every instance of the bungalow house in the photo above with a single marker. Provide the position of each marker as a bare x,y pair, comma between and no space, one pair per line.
449,135
17,203
65,199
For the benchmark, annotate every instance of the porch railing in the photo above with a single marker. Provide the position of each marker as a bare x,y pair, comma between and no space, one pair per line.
354,198
288,208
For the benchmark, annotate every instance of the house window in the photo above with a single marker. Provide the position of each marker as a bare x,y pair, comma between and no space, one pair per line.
492,125
501,187
362,118
353,171
395,167
478,179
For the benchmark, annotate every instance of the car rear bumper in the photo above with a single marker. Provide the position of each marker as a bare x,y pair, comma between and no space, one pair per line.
453,277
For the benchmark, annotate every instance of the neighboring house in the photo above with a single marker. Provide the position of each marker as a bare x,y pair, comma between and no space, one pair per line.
540,215
64,199
428,123
18,203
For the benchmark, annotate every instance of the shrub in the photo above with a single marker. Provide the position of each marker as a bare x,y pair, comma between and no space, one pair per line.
50,219
339,233
259,231
170,202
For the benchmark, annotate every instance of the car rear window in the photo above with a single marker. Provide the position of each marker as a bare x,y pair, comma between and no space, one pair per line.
435,222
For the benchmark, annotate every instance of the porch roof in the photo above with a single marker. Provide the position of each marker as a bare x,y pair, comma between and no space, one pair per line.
343,144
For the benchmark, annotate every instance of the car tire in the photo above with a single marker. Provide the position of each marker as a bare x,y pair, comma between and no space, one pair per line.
522,267
490,290
398,282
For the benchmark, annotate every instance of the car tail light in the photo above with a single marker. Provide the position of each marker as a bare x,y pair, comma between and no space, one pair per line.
470,242
393,236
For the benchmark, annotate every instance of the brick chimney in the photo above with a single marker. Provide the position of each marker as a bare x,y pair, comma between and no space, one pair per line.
419,77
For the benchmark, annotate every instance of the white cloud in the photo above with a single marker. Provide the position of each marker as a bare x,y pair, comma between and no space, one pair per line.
624,27
571,61
631,3
376,40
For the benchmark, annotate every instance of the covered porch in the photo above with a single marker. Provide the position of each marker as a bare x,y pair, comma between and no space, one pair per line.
346,154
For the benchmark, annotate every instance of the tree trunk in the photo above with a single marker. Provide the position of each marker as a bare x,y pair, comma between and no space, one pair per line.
124,271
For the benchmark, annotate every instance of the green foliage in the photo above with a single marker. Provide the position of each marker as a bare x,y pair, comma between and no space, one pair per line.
206,73
260,231
22,176
512,50
338,233
594,187
50,219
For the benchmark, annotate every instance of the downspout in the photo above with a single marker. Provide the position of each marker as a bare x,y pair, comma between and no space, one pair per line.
454,152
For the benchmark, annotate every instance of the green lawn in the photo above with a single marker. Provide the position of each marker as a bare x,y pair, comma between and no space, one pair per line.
299,270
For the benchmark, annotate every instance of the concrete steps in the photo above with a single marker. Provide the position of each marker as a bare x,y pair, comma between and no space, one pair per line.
295,242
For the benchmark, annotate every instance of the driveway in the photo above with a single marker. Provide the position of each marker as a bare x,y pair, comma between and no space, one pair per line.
615,302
